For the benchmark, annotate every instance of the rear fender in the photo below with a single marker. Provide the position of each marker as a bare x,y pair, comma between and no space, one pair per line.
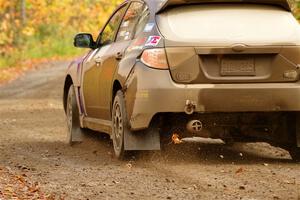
148,139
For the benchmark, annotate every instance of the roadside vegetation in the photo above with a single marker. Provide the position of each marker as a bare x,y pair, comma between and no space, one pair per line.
296,7
37,30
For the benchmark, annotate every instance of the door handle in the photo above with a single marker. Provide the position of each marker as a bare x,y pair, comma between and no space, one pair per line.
119,56
98,61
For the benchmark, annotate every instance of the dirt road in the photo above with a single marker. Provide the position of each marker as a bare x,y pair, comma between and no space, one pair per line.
32,141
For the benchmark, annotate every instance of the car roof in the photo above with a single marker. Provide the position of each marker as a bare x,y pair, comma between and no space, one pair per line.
160,5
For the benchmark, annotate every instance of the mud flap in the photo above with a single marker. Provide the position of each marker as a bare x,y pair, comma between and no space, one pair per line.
77,135
148,139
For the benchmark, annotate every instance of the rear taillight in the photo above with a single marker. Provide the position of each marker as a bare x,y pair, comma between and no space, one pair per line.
155,58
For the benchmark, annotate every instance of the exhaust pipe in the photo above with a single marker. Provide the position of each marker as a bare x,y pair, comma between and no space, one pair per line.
194,126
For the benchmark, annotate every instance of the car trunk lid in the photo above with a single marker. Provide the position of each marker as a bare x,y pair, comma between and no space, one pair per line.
220,43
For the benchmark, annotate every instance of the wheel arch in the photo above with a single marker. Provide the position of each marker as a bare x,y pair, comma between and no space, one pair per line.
116,87
67,84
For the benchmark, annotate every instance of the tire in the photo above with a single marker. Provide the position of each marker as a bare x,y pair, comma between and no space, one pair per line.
295,153
228,142
120,125
75,133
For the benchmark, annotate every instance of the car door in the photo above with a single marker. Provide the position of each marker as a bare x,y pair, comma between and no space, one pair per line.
115,53
91,88
102,63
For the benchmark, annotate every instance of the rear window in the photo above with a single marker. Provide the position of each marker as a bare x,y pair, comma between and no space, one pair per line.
222,24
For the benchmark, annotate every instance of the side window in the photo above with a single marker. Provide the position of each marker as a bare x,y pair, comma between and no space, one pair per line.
142,21
108,34
131,19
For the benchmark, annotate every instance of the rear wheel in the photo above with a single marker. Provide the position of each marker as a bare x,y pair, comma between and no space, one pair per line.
74,131
120,125
293,131
295,153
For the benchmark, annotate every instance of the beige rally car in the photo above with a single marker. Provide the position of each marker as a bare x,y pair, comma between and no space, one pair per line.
221,69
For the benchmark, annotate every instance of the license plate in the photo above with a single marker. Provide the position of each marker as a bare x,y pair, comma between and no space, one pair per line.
237,67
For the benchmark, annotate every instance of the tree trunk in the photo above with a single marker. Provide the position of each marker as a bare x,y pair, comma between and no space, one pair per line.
23,12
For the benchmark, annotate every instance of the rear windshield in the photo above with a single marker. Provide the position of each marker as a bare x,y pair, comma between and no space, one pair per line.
221,24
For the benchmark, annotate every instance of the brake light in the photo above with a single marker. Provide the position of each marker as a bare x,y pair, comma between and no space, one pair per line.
155,58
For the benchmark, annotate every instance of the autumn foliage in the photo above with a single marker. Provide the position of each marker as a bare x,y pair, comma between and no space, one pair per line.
43,28
295,4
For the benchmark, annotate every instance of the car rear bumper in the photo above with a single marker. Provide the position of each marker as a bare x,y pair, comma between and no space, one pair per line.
150,91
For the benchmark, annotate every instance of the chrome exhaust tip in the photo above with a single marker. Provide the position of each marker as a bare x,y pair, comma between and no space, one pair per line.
194,126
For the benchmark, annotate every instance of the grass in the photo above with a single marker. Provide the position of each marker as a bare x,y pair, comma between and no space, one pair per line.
34,52
30,51
41,47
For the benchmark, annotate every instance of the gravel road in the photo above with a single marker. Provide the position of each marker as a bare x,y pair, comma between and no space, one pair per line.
33,141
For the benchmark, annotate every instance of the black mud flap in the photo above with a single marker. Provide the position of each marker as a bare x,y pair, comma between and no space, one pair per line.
148,139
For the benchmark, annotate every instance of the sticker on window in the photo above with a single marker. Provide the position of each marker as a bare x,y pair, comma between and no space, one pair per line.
140,41
149,27
122,33
153,41
137,44
125,24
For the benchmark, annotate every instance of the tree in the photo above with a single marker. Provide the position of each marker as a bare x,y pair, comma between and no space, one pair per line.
23,11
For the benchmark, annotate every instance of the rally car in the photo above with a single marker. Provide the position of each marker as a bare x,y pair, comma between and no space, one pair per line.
226,69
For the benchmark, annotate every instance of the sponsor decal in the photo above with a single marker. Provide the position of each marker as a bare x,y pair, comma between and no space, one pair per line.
136,48
153,41
137,44
149,27
125,24
140,41
122,33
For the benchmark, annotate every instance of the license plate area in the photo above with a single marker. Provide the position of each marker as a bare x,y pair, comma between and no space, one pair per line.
237,66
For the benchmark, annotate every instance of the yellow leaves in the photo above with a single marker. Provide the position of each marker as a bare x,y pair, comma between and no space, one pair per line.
49,25
4,26
298,11
28,31
14,186
21,179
